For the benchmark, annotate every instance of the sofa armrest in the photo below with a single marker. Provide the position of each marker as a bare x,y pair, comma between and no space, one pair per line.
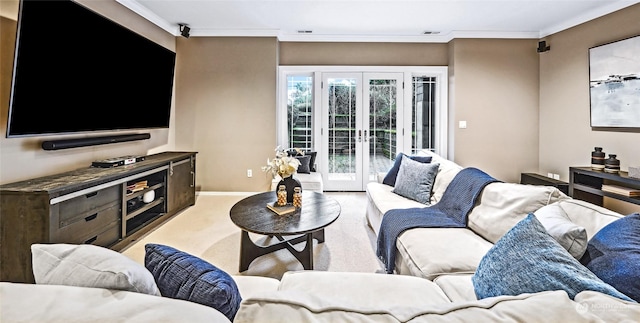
58,303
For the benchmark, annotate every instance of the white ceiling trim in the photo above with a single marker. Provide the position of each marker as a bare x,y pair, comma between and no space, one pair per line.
436,38
593,14
173,29
149,15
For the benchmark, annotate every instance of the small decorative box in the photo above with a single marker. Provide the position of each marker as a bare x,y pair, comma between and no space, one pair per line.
634,172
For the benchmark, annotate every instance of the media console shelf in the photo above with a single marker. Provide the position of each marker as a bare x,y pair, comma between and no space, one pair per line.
100,206
586,184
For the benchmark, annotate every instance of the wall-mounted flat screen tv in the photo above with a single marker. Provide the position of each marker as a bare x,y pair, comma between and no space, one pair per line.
78,71
614,84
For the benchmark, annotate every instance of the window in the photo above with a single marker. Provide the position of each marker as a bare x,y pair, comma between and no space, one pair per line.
422,120
423,113
300,112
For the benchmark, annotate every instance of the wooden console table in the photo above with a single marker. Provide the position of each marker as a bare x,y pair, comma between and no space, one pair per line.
586,184
91,205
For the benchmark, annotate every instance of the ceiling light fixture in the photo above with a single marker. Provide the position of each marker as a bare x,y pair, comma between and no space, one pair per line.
305,31
427,32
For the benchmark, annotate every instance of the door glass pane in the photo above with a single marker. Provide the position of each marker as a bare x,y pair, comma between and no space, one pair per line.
382,126
342,128
299,111
423,122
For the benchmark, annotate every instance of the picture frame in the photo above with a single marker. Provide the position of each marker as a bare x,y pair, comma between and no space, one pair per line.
614,85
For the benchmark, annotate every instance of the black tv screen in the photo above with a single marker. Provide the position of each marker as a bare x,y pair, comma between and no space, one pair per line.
77,71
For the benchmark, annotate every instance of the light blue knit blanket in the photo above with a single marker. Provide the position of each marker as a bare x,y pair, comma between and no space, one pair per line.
450,212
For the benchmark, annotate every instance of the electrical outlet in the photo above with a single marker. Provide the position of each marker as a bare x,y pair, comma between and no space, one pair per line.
249,173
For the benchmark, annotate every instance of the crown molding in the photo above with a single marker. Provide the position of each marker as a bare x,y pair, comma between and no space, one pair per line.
437,38
587,16
147,14
446,37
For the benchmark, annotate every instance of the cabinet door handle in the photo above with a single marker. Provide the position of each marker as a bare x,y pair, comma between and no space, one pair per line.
91,194
92,240
193,179
91,217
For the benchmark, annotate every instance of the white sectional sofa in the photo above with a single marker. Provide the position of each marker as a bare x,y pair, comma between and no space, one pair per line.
434,282
421,251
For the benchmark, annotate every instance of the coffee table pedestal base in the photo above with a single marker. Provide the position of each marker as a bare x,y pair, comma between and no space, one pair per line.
249,251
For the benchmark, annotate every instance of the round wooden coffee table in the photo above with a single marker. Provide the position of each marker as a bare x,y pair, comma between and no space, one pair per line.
252,215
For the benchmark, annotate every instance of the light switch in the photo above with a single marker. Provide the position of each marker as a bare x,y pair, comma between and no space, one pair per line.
462,124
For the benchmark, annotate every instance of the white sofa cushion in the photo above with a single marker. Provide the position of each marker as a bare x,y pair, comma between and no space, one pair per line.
336,296
301,306
459,288
380,199
569,235
90,266
446,172
431,252
502,205
607,308
251,285
365,290
57,303
587,215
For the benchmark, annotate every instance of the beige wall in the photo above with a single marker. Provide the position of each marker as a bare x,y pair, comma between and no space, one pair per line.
22,158
226,107
363,54
495,90
525,111
566,138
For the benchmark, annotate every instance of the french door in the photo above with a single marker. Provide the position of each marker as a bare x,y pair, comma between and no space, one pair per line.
360,120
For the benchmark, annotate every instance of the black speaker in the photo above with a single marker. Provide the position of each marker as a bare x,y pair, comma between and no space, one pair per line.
542,47
92,141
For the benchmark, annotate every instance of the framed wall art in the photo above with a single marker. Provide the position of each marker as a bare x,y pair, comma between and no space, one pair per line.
614,84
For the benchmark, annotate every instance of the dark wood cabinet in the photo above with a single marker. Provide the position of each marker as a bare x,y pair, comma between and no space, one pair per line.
181,184
91,206
537,179
586,184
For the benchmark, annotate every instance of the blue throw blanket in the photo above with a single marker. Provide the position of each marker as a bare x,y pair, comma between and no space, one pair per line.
450,212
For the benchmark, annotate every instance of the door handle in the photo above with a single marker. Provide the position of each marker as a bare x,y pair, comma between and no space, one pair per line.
365,136
359,135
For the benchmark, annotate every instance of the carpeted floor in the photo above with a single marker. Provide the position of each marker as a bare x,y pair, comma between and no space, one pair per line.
206,231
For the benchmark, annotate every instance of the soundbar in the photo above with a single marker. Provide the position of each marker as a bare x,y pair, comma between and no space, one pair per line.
91,141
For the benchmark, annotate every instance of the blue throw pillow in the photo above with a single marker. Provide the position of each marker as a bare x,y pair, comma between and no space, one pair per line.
392,174
528,260
415,180
183,276
613,254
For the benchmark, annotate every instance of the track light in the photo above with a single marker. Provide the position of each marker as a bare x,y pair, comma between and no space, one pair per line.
184,30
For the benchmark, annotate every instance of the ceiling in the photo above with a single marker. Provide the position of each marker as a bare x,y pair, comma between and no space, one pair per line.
360,20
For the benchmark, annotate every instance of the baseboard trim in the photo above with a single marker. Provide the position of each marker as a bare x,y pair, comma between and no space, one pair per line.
219,193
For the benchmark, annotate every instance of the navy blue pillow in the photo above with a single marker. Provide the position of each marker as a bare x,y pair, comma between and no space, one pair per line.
183,276
613,254
392,174
528,260
303,168
312,160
